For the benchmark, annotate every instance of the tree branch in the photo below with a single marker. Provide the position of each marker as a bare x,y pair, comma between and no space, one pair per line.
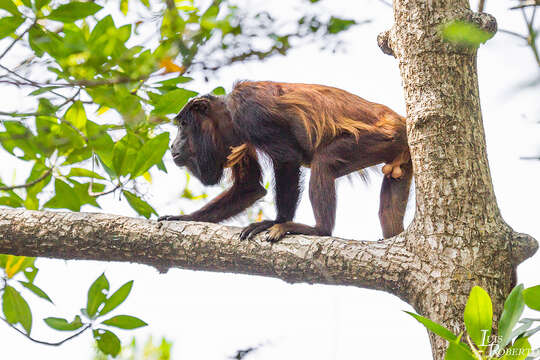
381,265
30,184
46,342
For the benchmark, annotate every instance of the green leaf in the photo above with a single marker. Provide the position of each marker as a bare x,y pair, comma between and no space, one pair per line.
41,3
43,90
9,6
140,206
36,290
125,152
11,201
30,269
172,102
124,6
83,189
16,309
78,155
101,29
125,322
336,25
434,327
208,19
9,24
63,325
107,342
38,170
73,11
151,154
80,172
457,352
174,81
478,316
532,297
513,308
519,350
219,91
465,34
16,264
77,116
97,294
65,197
117,298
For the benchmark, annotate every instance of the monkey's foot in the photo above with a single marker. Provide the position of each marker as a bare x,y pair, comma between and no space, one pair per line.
278,231
255,228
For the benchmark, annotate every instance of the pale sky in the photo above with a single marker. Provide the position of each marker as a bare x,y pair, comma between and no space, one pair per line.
211,315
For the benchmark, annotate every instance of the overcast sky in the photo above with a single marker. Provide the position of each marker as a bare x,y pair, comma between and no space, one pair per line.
210,315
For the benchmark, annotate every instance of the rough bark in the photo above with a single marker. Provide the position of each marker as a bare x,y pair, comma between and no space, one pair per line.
457,232
379,265
457,239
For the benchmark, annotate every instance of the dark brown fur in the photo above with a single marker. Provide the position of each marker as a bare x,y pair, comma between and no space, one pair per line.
328,129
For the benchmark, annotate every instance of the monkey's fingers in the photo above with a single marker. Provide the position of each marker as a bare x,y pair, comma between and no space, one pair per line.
255,228
276,233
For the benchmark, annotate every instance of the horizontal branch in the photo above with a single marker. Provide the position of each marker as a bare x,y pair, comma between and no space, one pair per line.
378,265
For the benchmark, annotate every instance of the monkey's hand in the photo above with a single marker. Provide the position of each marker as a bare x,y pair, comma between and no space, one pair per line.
255,228
174,218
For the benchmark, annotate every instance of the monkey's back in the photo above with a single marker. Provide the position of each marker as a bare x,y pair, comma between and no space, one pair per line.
316,114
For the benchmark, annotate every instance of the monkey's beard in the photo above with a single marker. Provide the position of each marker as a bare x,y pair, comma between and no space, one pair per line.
207,176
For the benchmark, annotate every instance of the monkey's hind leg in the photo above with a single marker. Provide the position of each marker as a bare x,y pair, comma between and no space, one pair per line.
394,196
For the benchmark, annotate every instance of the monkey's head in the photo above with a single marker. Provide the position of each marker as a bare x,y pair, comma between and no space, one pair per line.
205,135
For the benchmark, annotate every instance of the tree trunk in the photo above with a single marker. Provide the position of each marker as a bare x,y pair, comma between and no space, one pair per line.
456,240
458,232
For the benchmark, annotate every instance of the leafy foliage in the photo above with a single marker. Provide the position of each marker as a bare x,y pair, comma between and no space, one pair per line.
478,318
465,34
16,310
103,95
99,96
148,351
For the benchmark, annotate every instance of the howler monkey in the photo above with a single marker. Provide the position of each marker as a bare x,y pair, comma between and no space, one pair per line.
327,129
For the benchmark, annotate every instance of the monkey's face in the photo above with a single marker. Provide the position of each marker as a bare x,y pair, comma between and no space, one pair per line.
203,141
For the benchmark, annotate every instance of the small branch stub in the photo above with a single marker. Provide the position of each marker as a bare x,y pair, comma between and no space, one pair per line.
383,40
484,21
523,247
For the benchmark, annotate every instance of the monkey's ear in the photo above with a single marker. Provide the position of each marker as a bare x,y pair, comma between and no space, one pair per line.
200,105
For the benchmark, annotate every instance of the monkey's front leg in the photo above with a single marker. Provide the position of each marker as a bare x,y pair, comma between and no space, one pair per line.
322,194
287,180
227,204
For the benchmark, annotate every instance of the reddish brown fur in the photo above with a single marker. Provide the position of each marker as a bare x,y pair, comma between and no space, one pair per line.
330,130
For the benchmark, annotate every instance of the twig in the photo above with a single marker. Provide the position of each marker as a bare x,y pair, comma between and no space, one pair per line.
15,114
526,3
96,194
45,342
27,185
523,37
481,5
17,39
532,33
